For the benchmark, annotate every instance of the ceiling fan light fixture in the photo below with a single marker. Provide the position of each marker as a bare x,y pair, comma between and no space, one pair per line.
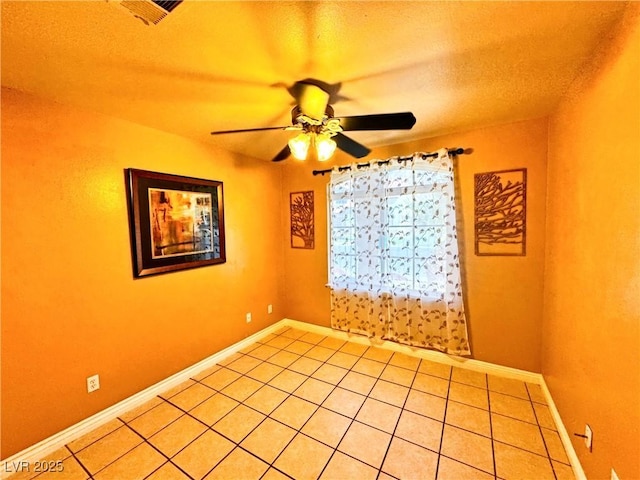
313,120
325,147
299,146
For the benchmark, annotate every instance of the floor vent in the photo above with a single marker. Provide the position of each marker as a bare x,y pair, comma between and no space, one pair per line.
149,11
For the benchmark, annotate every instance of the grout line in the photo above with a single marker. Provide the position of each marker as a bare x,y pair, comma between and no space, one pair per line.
97,439
457,427
335,386
352,419
145,440
78,460
289,394
335,449
387,363
525,450
493,441
415,375
318,406
565,463
93,443
275,468
444,420
165,463
393,434
236,444
161,452
544,440
185,412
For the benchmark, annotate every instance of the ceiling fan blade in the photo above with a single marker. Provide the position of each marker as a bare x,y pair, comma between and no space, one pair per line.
382,121
220,132
282,155
350,146
313,100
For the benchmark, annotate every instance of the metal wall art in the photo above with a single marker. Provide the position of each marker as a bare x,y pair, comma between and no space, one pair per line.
302,220
501,212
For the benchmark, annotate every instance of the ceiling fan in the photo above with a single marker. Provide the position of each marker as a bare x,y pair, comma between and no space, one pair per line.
314,119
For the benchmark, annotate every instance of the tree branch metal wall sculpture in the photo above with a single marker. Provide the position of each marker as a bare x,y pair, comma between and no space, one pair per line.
501,212
302,220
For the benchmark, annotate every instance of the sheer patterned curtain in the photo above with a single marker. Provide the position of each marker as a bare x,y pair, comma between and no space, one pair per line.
394,269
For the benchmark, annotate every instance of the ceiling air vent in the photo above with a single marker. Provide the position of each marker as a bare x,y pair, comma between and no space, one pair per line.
149,11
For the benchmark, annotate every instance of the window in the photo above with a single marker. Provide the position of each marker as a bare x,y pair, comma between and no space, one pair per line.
394,269
387,230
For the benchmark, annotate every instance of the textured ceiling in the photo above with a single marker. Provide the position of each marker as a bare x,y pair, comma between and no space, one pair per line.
214,65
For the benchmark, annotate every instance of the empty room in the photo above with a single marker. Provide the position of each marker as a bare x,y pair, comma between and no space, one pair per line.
320,240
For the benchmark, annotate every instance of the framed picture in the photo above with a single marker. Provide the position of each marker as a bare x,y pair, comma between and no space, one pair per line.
176,222
501,212
302,221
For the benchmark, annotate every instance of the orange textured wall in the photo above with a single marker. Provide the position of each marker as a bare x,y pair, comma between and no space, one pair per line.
591,334
305,270
503,294
70,305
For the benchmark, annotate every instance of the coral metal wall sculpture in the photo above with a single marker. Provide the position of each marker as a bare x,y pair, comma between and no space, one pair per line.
501,212
302,221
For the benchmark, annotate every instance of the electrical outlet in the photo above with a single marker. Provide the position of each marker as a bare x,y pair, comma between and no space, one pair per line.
614,475
249,317
93,383
269,308
588,437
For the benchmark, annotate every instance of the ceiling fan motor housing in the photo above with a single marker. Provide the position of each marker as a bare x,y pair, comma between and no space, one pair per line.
326,125
298,117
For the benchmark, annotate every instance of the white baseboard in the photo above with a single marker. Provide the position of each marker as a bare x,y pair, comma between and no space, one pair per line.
564,435
468,363
49,445
53,443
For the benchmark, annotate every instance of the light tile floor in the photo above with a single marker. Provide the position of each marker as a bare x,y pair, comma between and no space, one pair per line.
300,405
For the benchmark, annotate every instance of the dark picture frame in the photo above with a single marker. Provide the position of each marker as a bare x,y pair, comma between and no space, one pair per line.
176,222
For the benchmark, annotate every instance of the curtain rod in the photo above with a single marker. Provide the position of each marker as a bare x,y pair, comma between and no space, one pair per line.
450,151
